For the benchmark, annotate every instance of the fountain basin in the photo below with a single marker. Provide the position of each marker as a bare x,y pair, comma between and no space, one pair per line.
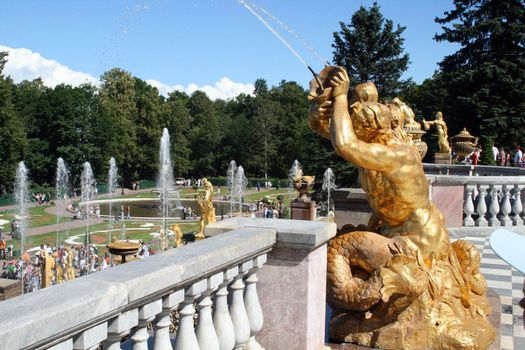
150,207
123,249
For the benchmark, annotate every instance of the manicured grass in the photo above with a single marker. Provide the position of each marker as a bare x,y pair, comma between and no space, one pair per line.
134,231
37,217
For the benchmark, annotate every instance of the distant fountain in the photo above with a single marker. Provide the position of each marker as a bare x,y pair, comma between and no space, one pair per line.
21,196
240,183
230,179
88,187
295,171
165,181
61,195
112,187
328,186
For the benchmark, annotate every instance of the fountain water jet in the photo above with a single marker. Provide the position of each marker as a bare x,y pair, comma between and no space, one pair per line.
21,196
328,186
240,184
88,186
230,180
112,187
295,170
165,181
61,189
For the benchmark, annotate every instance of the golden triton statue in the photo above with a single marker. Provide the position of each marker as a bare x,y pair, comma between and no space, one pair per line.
70,271
178,235
204,201
48,265
402,284
442,132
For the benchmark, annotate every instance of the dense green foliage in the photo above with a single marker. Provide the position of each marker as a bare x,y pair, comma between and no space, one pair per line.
124,117
482,85
371,49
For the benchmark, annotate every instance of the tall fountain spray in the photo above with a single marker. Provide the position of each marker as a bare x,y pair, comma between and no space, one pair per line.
112,187
328,186
61,191
230,179
295,170
240,186
165,181
88,186
21,196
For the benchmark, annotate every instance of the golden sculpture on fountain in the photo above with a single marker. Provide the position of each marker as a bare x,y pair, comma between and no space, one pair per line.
442,132
204,201
404,117
401,284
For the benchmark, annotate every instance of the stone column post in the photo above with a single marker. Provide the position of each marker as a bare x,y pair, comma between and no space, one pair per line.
119,327
162,326
292,283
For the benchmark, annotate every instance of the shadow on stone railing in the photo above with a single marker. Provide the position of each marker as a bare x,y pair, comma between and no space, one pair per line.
118,304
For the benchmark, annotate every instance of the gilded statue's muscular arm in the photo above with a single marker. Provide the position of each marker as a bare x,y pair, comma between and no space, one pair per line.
319,118
372,156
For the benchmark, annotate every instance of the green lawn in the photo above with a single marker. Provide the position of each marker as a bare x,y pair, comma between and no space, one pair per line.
99,234
37,217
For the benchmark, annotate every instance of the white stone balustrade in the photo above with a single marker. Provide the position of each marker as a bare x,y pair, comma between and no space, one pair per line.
489,200
103,308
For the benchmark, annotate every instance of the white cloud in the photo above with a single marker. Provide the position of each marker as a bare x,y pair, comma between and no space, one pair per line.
24,64
223,89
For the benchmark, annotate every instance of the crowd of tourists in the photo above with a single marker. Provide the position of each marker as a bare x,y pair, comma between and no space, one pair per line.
502,156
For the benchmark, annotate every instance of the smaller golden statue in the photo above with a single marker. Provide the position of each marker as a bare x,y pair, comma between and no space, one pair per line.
204,201
442,132
178,235
70,271
48,265
303,184
163,237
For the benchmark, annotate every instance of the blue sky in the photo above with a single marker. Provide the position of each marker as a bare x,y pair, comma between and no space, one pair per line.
199,42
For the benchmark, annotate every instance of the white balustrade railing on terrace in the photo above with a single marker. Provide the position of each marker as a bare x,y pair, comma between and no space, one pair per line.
488,200
153,303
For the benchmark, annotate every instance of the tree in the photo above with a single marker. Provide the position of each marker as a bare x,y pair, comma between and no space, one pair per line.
371,49
13,142
484,79
117,131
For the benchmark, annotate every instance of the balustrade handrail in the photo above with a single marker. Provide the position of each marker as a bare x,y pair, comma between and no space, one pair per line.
52,315
475,180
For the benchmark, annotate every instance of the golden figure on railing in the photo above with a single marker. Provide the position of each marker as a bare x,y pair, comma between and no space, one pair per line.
48,265
442,132
405,119
70,270
204,201
400,285
178,235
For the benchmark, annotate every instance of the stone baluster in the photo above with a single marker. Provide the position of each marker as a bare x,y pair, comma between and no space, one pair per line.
481,208
494,205
506,207
221,315
253,307
186,338
468,207
240,320
119,327
163,321
147,314
91,338
206,334
517,206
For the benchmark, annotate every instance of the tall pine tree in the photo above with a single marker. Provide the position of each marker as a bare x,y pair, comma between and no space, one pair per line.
484,79
371,49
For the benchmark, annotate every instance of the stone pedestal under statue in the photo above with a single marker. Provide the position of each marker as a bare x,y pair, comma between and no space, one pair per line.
442,158
302,211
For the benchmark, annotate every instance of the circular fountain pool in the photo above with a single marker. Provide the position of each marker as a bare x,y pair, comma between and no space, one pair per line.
150,207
